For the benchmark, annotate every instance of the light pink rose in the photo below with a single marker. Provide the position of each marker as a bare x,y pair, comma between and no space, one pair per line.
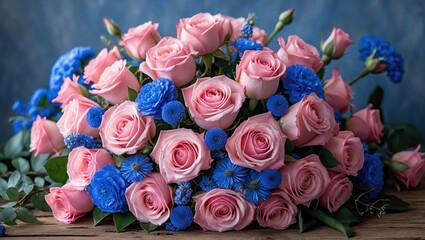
337,192
415,160
257,143
124,130
305,179
260,72
45,137
201,33
214,102
83,163
138,40
114,83
222,210
225,27
258,34
68,92
151,199
277,212
181,154
366,124
338,93
170,59
68,203
96,66
309,122
341,41
74,118
296,51
348,150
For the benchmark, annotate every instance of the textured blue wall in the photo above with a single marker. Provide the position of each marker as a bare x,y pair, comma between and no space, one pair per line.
34,33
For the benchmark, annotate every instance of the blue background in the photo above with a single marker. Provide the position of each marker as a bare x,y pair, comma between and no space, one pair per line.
33,34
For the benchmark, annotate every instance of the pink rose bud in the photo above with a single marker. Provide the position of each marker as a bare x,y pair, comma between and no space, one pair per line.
260,72
296,51
114,83
337,192
309,122
366,124
181,154
338,93
45,137
170,59
112,27
68,203
222,210
348,150
277,212
96,66
415,161
336,43
138,40
69,91
285,18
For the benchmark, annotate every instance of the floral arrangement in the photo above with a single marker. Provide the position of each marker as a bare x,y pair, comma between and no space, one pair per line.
211,128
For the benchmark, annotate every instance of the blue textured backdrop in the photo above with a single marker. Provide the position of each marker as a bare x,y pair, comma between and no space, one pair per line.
34,33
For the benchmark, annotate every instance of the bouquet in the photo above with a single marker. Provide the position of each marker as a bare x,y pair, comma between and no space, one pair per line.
209,128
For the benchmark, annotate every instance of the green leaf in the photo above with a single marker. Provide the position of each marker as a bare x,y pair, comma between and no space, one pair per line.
376,97
345,215
14,146
39,182
3,187
26,215
37,162
8,214
148,227
98,216
21,164
25,185
289,147
83,90
134,69
219,54
328,159
14,179
330,221
3,168
9,205
405,135
123,220
395,203
56,168
398,166
13,194
132,94
10,223
305,222
40,203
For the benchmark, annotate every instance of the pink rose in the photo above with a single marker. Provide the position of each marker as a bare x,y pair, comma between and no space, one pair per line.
338,93
83,163
138,40
296,51
45,137
69,91
309,122
222,210
277,212
366,124
340,39
337,192
348,150
151,199
181,154
201,33
68,203
124,130
258,34
415,160
170,59
257,143
305,180
96,66
74,118
214,102
114,83
225,27
260,72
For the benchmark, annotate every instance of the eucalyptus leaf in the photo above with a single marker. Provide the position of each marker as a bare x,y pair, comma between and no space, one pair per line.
56,168
26,215
13,194
9,205
327,158
37,162
39,182
21,164
14,178
25,184
8,214
39,202
14,145
3,168
10,222
123,220
148,227
3,188
98,216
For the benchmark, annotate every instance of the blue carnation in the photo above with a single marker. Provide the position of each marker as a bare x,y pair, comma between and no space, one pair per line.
207,184
215,139
2,230
301,81
270,178
170,227
173,112
181,217
183,193
277,105
107,190
153,96
371,174
226,174
75,139
135,168
253,188
94,116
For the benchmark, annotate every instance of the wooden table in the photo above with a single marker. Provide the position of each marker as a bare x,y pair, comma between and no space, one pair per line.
404,225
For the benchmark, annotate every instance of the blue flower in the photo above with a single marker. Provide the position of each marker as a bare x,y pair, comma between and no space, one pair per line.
19,124
76,139
181,217
107,190
338,116
94,116
247,31
215,139
170,227
217,154
301,81
153,96
270,178
243,44
39,97
183,193
295,156
253,188
226,174
173,112
207,184
371,174
2,230
277,105
135,168
19,108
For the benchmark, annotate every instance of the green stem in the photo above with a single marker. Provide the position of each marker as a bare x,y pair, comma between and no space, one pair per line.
326,60
270,37
28,196
362,74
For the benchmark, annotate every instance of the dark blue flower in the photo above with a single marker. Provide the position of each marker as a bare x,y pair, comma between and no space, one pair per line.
371,174
19,124
207,184
39,97
253,188
76,139
243,44
270,178
107,190
226,174
153,96
219,154
215,139
301,81
338,116
19,108
2,230
277,105
173,112
183,193
295,156
94,116
181,217
135,168
247,31
170,227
